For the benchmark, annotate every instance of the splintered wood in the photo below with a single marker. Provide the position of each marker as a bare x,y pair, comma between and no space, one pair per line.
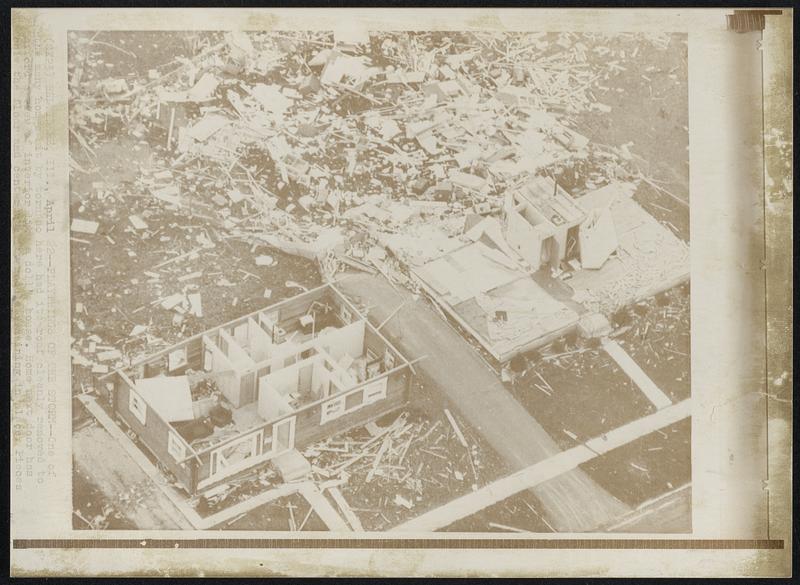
397,466
377,461
457,430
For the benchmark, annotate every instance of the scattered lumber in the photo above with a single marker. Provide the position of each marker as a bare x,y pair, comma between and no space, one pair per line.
456,428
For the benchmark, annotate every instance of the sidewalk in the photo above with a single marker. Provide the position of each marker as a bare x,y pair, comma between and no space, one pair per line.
543,471
635,373
188,518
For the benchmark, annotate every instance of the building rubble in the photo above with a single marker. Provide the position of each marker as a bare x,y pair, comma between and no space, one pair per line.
380,153
365,155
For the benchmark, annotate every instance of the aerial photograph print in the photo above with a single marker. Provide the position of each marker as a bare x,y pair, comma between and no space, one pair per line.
380,281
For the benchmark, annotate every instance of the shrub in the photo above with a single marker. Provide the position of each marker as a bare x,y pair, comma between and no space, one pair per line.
533,356
518,364
621,318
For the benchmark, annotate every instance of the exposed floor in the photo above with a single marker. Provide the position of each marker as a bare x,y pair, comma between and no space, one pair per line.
572,502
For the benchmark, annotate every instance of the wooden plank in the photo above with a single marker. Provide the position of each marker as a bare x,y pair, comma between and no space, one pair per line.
457,430
384,446
324,510
356,264
349,515
506,527
392,314
180,257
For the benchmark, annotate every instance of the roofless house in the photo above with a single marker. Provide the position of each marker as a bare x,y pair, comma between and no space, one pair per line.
259,387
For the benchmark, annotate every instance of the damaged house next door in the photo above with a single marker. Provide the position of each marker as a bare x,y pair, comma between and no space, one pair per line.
549,253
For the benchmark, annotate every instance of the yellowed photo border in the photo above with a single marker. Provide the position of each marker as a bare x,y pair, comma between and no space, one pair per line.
740,90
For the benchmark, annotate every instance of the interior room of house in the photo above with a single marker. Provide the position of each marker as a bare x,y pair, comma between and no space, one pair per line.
542,223
259,369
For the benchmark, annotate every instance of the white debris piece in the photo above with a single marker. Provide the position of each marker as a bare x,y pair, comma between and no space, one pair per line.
108,355
172,301
113,86
401,501
341,68
235,195
207,127
169,194
468,181
84,226
240,44
271,98
196,305
320,58
265,260
137,222
137,330
204,88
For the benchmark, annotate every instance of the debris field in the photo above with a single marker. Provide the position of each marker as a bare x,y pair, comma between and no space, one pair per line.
416,462
216,173
352,154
